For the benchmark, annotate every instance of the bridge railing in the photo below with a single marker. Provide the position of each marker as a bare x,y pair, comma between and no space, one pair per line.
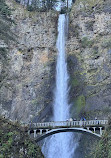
68,124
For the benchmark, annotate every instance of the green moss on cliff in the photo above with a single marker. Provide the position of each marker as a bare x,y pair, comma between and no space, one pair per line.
106,43
75,79
14,142
85,42
80,103
75,82
103,147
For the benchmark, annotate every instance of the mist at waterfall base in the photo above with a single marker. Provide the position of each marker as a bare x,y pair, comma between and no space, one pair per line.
61,145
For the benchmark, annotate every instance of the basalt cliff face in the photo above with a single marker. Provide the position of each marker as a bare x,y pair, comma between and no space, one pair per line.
27,72
27,88
89,58
89,64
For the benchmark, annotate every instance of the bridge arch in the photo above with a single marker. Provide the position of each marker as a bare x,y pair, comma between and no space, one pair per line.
60,130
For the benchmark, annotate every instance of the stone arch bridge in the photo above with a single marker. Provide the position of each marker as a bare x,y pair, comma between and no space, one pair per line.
38,131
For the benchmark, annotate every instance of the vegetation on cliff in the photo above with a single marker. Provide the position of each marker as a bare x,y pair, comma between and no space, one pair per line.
89,64
14,142
39,5
103,148
5,22
89,51
89,6
4,9
6,36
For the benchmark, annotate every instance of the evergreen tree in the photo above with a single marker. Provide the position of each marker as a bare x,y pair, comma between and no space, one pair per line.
4,9
40,5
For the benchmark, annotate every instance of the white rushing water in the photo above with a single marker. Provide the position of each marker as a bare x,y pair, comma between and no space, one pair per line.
61,145
61,108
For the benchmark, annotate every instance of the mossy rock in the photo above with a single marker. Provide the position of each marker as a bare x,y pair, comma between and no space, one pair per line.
75,82
106,43
80,103
85,42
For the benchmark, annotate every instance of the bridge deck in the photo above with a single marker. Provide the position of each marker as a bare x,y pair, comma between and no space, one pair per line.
94,127
67,124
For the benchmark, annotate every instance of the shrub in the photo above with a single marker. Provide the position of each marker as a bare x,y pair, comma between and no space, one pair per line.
4,9
85,42
106,43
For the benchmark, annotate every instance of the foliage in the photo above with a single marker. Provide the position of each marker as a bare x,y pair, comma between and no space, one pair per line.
95,50
4,9
75,82
5,37
4,58
106,43
103,147
14,142
5,22
80,103
5,32
41,5
3,53
85,42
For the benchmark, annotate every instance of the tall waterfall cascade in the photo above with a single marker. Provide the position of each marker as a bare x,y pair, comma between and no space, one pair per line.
61,145
61,107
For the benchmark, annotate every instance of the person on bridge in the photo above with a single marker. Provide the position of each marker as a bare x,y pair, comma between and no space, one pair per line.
84,119
70,119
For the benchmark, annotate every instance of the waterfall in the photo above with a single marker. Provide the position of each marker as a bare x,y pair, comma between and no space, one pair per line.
61,108
61,145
